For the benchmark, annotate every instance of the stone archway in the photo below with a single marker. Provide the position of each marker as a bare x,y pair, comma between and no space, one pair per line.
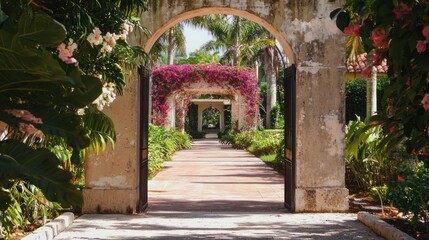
311,41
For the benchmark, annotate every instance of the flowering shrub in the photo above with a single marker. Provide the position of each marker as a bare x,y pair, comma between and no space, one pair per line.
399,32
174,78
108,95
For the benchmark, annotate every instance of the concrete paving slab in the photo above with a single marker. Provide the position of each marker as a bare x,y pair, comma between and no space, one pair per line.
218,225
215,192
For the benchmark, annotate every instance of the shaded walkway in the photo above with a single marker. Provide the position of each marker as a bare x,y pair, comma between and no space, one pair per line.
215,192
215,177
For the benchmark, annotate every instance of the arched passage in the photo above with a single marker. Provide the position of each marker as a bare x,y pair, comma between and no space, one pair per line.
220,10
311,41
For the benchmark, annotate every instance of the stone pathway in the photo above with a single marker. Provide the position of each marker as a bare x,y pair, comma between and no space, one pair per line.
215,177
215,192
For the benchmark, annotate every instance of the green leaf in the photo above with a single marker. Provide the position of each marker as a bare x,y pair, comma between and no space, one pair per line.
343,20
396,51
62,124
21,64
39,167
5,198
3,17
333,15
40,28
84,96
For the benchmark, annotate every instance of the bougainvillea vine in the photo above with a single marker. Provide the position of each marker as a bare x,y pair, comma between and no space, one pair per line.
171,79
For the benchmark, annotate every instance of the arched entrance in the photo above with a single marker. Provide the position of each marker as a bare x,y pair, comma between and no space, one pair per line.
311,41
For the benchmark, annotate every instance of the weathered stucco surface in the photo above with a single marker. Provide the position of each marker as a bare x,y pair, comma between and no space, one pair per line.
111,177
311,41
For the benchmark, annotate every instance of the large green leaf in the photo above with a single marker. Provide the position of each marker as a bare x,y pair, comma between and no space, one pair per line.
343,20
82,97
20,64
62,124
41,29
3,16
101,129
39,167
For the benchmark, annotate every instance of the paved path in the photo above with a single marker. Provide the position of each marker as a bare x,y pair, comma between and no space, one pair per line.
215,177
214,192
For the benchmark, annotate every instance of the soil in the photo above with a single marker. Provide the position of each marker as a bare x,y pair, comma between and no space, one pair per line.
363,202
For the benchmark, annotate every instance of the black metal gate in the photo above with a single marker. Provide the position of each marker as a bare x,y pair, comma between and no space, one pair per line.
290,135
143,133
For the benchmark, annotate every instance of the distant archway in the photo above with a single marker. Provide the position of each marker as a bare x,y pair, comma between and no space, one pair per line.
175,84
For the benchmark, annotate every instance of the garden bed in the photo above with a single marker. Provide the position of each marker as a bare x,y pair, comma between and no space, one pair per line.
363,202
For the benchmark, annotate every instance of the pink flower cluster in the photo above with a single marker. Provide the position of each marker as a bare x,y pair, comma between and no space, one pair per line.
401,10
421,45
425,101
352,30
25,128
65,52
174,78
24,115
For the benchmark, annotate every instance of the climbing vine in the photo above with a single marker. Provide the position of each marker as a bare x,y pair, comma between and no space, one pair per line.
174,78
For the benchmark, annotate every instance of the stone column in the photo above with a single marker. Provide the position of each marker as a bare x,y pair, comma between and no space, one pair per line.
200,118
235,113
222,117
320,97
171,114
111,184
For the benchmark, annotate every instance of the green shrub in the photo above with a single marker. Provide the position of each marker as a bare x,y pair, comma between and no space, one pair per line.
162,145
197,135
258,142
379,194
28,209
280,156
411,195
368,162
356,96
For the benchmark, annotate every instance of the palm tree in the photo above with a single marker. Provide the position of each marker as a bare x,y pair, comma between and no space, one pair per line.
355,47
241,42
171,43
239,39
270,62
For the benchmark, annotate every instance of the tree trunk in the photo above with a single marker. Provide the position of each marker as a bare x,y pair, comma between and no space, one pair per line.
271,84
170,53
257,70
371,94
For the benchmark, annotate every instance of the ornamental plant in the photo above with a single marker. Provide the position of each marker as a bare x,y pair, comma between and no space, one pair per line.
174,78
399,32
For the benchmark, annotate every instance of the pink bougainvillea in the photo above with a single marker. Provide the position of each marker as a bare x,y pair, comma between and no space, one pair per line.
174,78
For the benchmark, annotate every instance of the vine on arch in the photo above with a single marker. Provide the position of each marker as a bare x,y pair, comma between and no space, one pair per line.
174,78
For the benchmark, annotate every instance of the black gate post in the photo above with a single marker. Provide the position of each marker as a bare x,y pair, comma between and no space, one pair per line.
143,136
290,135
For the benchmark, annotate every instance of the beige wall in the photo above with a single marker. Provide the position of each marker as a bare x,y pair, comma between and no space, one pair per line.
311,40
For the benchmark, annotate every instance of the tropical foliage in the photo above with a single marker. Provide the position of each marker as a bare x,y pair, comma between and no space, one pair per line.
367,164
57,71
356,96
265,144
162,144
200,57
173,79
399,32
410,194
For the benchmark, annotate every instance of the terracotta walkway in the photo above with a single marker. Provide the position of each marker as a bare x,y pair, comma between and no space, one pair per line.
215,177
215,192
